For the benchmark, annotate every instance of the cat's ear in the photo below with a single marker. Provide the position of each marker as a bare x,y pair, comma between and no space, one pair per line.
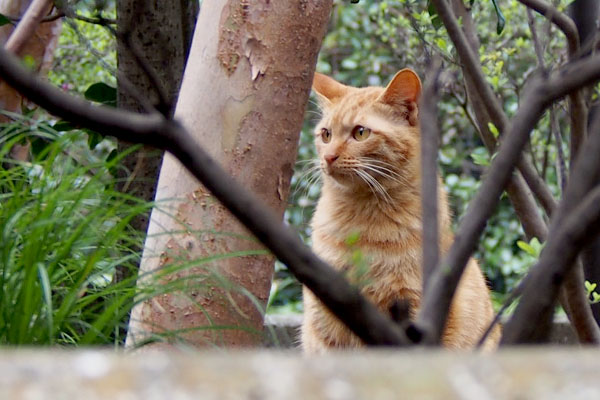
403,93
328,90
405,87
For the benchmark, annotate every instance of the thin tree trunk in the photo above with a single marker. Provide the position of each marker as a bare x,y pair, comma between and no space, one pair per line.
40,45
155,37
244,93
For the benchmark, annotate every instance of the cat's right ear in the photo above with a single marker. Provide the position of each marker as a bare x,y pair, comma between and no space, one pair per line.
328,90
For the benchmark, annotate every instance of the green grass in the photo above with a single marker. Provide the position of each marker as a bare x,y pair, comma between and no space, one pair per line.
65,231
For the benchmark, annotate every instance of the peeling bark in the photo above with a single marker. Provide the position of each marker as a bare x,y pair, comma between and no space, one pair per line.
243,95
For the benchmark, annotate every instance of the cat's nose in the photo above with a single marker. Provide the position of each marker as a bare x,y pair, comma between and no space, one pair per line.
330,158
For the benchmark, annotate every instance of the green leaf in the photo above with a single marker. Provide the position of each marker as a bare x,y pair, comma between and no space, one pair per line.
480,159
533,248
590,287
437,22
596,297
526,247
63,126
113,154
4,20
47,294
93,139
441,44
493,130
435,18
102,93
431,9
501,19
537,246
38,146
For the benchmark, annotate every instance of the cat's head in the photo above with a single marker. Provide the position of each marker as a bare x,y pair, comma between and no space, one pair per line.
368,137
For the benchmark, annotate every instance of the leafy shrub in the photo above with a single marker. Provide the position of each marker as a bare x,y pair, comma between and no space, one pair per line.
65,230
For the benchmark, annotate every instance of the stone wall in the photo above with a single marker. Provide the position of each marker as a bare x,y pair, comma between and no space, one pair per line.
517,373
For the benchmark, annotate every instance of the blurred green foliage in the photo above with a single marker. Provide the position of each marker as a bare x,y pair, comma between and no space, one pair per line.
86,53
369,42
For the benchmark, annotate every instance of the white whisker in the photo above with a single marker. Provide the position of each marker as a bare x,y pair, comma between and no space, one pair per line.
375,186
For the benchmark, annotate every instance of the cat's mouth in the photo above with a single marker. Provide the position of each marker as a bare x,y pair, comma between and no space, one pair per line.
336,171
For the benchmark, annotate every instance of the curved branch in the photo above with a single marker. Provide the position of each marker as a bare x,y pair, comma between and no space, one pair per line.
561,20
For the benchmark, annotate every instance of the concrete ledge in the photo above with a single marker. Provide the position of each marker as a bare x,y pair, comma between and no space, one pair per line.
518,373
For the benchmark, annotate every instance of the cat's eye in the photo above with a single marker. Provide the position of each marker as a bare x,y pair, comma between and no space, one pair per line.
325,135
360,133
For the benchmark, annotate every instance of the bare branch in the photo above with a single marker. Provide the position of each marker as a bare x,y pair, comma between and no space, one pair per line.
28,24
561,20
429,176
532,318
543,91
344,300
489,101
578,108
470,62
539,53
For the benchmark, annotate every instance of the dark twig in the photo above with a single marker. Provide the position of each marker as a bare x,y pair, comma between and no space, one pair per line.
561,20
512,296
164,105
96,21
543,91
73,15
49,18
123,81
429,175
344,300
533,317
539,53
561,160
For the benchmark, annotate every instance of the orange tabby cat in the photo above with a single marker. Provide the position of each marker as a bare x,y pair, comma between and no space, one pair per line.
369,153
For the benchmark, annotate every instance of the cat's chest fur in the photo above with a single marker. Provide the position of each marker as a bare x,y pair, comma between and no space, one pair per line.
387,238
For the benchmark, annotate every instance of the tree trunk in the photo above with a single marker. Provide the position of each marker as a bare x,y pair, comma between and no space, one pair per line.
40,46
161,33
244,93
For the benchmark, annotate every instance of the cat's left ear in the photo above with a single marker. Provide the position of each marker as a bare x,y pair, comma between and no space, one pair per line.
404,90
328,90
